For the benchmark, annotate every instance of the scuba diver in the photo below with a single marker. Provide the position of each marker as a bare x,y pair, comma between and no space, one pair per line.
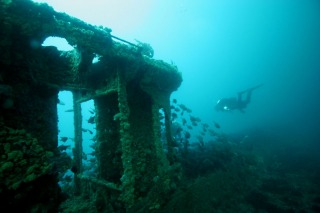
229,104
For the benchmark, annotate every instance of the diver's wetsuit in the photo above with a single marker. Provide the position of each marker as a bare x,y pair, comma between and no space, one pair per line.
229,104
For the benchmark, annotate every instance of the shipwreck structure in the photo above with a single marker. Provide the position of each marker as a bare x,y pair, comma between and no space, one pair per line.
128,88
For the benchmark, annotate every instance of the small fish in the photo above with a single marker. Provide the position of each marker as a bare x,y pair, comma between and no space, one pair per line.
87,130
216,125
187,135
63,139
178,131
212,132
174,115
205,126
194,119
60,102
177,110
91,120
84,156
69,110
92,160
189,110
92,111
183,107
63,147
184,121
92,153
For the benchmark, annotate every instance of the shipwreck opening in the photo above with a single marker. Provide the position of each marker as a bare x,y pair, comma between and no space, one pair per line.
60,43
76,138
89,163
65,137
65,122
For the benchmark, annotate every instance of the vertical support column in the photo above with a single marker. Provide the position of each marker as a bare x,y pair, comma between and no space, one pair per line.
128,178
167,116
77,151
108,142
158,144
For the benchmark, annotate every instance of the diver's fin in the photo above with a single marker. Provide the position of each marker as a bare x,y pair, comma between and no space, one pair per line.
256,87
250,89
